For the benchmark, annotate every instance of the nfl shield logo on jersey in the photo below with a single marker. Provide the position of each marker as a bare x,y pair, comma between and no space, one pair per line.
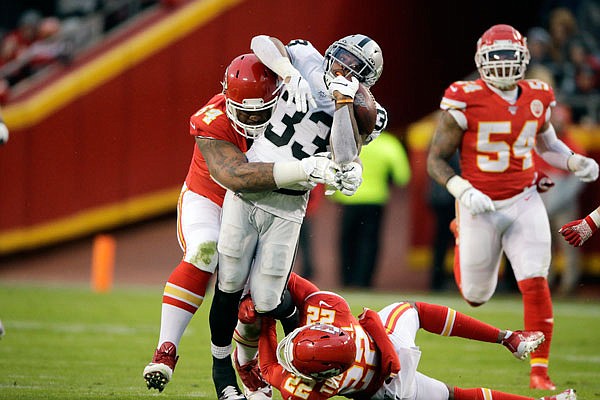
537,108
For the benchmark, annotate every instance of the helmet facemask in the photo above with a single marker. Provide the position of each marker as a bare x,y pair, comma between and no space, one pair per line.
359,56
249,110
285,355
503,63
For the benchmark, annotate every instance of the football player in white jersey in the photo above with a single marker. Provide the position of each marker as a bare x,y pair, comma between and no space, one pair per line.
496,122
259,231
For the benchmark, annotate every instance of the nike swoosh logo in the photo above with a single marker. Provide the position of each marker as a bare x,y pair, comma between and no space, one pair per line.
527,198
453,88
193,126
323,303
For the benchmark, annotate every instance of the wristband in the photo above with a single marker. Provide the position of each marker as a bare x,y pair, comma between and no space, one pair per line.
593,220
457,185
288,173
574,162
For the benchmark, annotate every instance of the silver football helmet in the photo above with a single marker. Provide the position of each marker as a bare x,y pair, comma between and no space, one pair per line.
358,54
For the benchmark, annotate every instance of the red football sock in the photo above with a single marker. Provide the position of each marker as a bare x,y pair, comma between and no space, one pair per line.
445,321
186,287
485,394
537,312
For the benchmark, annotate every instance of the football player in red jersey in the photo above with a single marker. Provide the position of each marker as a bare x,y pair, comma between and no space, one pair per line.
496,122
221,130
313,361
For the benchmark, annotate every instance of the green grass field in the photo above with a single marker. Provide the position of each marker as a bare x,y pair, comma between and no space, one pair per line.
69,343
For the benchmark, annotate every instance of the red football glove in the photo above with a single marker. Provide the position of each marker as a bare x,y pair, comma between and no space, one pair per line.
577,232
543,182
247,312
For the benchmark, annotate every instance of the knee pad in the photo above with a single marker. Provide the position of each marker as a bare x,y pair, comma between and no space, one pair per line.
286,312
231,278
476,295
203,256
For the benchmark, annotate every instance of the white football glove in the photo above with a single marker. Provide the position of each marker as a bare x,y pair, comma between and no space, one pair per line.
473,199
299,92
349,178
585,168
320,169
3,133
343,86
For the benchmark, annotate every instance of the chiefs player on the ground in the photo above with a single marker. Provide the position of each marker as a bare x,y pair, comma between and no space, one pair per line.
496,122
309,363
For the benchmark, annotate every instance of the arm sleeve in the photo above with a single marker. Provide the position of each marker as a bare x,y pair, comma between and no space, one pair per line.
390,363
343,141
270,55
553,150
267,347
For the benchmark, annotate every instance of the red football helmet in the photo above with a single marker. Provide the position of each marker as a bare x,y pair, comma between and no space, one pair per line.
250,95
502,56
317,351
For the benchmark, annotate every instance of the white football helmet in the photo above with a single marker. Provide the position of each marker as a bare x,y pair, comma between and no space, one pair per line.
366,54
316,352
250,95
502,56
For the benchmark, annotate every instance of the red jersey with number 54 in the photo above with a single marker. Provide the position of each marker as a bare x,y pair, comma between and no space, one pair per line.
496,149
210,122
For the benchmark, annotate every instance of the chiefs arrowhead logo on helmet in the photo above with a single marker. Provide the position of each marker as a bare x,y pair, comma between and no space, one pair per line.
317,351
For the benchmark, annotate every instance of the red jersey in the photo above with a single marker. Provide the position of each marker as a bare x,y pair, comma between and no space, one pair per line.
328,308
496,149
210,122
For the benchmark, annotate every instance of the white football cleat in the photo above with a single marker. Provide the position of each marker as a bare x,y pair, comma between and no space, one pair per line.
568,394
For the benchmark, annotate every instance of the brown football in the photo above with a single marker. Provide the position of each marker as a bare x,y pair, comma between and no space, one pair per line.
365,111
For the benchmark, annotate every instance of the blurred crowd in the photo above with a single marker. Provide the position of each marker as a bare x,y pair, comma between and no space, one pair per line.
565,52
40,41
